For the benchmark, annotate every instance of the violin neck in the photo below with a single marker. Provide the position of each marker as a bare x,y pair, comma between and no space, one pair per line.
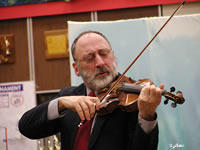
130,88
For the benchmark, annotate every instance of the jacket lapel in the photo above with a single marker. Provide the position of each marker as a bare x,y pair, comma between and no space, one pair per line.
81,90
96,130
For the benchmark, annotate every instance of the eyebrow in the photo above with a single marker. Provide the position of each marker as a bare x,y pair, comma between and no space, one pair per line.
91,53
88,54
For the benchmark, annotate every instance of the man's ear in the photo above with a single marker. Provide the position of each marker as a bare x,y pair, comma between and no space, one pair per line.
76,69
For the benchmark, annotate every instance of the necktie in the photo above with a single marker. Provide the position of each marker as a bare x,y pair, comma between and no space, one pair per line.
83,135
92,94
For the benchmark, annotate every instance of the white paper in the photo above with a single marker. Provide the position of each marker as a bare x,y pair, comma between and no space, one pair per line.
15,99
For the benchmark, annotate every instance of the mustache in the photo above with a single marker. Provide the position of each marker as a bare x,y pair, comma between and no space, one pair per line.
102,70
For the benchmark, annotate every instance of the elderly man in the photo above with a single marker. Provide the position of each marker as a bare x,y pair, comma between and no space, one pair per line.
95,62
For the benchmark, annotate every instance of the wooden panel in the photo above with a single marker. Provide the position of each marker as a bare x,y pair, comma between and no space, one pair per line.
44,97
188,8
127,13
51,74
18,71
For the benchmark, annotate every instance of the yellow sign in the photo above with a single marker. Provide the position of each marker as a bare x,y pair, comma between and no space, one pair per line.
56,44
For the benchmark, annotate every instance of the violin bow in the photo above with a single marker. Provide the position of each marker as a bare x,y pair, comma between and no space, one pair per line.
136,58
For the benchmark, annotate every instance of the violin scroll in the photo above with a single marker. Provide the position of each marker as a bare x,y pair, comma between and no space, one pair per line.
176,98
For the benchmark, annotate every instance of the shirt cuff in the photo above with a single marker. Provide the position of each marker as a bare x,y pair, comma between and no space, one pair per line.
53,110
147,126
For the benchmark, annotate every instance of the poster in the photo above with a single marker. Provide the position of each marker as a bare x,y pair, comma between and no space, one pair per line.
15,99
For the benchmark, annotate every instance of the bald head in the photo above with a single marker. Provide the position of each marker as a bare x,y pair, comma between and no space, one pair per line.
74,44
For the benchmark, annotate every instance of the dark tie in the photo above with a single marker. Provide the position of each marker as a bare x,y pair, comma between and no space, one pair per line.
83,135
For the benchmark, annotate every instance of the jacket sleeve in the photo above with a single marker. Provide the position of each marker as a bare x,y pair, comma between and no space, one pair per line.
34,123
139,140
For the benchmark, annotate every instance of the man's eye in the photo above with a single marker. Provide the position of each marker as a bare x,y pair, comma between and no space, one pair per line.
104,53
89,58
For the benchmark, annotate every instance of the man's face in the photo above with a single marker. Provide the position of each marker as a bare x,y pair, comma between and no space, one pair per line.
95,61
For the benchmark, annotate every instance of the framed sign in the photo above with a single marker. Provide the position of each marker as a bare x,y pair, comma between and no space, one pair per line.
56,44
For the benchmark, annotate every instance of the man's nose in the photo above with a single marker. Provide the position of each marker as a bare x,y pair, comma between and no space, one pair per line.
99,61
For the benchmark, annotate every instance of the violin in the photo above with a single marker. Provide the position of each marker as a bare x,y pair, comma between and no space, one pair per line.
126,93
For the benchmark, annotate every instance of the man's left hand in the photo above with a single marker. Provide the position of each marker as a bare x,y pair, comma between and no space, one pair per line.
148,101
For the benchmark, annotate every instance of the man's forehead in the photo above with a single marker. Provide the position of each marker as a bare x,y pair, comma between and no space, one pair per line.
92,39
91,36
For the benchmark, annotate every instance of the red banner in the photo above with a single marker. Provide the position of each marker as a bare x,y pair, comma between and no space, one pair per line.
76,6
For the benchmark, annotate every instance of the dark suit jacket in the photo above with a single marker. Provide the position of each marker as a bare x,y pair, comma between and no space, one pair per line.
117,131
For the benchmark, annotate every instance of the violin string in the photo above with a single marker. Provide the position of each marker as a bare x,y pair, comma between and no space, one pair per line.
122,75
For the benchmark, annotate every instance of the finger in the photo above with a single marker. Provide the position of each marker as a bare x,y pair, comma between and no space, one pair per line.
152,90
97,105
79,111
96,102
91,107
161,86
158,93
142,93
147,90
85,109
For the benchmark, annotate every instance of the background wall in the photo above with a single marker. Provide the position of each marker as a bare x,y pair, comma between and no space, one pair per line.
189,8
18,71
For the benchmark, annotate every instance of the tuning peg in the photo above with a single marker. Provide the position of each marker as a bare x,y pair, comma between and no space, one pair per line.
166,101
178,92
173,105
172,89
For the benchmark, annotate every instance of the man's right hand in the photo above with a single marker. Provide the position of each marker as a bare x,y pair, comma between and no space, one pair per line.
85,106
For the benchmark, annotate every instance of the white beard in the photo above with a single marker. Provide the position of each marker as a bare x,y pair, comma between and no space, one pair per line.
97,84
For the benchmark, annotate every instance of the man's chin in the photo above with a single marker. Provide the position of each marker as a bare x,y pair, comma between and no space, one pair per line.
102,82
